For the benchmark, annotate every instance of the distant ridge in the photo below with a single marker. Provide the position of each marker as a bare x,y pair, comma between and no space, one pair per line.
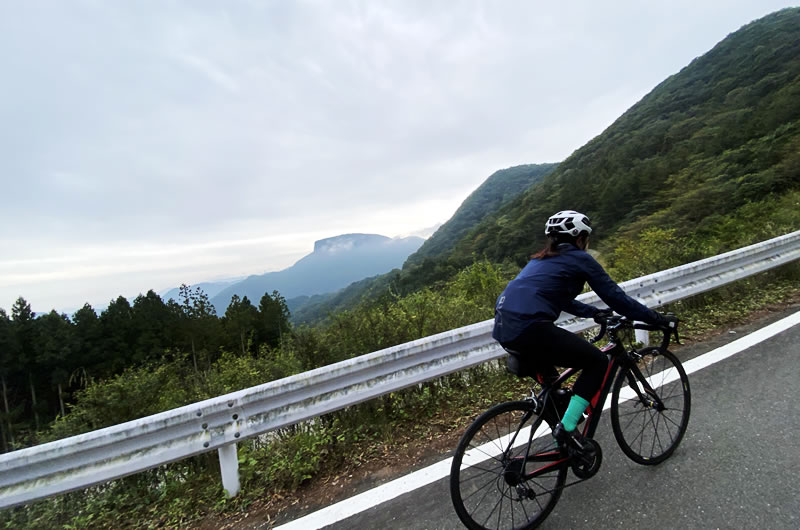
336,262
501,186
210,288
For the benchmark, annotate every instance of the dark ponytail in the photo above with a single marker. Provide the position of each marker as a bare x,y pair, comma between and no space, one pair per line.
551,247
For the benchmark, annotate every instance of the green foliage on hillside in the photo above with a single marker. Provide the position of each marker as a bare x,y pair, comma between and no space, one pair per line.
315,308
498,189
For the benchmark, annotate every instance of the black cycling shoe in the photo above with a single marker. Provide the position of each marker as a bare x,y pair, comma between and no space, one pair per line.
573,440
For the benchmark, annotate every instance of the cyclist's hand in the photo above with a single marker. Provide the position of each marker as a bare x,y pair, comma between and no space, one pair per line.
602,315
668,321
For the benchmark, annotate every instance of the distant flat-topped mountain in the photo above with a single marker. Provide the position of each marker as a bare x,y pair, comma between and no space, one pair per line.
336,262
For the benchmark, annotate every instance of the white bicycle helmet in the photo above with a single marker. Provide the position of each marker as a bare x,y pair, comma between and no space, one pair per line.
568,222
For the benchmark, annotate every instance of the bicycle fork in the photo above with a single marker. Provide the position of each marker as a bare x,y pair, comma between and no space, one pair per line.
651,399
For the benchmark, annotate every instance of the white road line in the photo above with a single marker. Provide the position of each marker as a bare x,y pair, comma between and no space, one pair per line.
368,499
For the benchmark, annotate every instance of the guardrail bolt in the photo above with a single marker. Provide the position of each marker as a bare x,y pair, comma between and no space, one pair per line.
235,416
236,435
199,413
230,404
205,426
206,444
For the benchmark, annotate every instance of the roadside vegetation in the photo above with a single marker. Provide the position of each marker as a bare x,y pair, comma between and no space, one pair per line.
186,493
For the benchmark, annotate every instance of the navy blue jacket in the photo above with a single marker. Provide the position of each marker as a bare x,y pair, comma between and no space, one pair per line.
548,286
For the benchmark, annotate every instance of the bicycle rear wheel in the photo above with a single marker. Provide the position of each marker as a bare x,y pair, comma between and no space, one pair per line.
650,415
492,483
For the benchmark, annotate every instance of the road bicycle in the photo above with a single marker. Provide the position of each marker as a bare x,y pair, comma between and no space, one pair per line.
508,471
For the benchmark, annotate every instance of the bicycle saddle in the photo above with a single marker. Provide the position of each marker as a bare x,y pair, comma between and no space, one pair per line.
525,365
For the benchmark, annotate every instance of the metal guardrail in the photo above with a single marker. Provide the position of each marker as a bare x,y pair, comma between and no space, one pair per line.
218,423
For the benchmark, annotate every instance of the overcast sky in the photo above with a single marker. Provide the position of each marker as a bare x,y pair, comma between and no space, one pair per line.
145,144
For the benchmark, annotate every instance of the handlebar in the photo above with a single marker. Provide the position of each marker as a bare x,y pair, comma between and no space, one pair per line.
611,322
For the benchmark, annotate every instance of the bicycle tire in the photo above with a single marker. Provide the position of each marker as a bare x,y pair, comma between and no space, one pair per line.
646,435
485,494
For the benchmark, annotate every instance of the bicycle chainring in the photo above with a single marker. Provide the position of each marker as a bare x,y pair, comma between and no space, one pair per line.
586,464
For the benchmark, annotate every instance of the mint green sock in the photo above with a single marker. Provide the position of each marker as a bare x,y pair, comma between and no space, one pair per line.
576,407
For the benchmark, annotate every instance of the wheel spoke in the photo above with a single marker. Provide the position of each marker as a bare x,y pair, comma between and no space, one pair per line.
478,475
522,505
487,485
489,456
673,422
499,500
656,437
640,436
500,504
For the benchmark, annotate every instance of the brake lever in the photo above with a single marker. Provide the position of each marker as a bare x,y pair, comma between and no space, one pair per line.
600,335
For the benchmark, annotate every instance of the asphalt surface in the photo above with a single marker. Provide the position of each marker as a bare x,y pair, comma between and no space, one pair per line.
737,467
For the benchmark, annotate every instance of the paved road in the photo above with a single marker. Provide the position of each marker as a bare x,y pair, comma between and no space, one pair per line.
737,467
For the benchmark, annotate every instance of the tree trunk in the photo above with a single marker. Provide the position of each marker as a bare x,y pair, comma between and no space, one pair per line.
4,448
241,341
194,358
33,401
7,409
61,400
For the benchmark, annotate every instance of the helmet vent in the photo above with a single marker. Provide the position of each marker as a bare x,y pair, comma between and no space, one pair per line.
568,222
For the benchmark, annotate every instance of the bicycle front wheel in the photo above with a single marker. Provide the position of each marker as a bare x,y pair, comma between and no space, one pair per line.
507,472
650,414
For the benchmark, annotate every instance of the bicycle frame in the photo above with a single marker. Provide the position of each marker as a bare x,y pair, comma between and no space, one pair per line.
619,359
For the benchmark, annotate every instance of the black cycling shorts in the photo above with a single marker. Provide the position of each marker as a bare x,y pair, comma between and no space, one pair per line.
549,345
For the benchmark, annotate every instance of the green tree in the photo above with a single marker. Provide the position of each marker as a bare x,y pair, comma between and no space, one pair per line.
55,341
86,349
199,325
24,331
273,319
116,336
152,324
7,353
239,324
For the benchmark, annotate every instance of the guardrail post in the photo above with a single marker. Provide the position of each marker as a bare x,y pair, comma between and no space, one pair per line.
229,469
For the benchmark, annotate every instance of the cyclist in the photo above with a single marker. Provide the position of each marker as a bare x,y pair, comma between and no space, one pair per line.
528,307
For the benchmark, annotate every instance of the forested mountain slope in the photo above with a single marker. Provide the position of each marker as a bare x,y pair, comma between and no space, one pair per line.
713,152
499,188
